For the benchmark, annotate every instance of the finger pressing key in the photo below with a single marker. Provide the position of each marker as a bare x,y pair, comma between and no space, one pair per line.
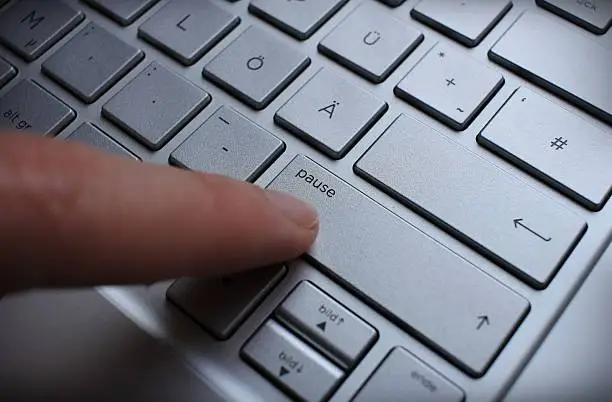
74,216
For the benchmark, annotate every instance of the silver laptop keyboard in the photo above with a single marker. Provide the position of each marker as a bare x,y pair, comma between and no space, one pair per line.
459,153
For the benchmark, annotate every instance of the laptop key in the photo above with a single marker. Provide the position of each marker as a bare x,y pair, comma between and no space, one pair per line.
472,199
291,364
229,144
188,29
92,62
449,86
256,67
406,275
403,377
124,12
298,18
555,145
392,3
331,113
466,21
7,72
155,105
31,27
90,135
595,16
29,108
221,304
327,323
371,43
560,60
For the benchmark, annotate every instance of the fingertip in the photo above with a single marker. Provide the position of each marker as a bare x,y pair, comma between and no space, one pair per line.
297,211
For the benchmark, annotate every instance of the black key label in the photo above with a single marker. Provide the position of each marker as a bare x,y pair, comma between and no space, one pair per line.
13,117
316,183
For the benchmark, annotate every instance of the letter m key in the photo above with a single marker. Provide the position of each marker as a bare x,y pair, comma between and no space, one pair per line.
32,19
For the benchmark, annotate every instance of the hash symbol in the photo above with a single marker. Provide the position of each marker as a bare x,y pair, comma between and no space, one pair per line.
558,143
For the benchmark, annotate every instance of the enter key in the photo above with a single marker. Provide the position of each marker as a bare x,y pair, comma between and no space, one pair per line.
516,226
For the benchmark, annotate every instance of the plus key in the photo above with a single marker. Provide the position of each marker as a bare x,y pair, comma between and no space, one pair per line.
449,86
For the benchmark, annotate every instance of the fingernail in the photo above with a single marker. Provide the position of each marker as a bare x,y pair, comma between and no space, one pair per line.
297,211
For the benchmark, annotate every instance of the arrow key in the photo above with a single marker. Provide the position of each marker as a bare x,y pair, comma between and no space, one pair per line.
342,335
291,364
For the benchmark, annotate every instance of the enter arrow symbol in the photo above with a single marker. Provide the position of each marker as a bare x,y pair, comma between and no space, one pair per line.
482,320
519,223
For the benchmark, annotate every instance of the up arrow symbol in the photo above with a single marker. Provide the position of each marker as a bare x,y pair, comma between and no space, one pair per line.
322,326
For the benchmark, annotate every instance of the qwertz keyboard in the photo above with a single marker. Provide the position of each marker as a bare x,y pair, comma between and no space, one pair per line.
458,153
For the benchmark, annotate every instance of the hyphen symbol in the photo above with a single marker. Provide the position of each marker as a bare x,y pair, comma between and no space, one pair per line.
558,143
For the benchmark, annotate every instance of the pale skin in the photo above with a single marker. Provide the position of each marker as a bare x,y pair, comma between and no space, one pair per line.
74,216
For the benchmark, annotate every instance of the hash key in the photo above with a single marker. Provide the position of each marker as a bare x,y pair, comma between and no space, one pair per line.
31,27
92,62
555,145
155,105
449,86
